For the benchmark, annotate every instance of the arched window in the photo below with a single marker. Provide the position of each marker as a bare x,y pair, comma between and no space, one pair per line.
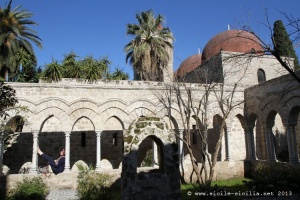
261,76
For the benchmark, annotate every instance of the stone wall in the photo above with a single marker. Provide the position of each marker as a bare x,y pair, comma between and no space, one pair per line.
160,183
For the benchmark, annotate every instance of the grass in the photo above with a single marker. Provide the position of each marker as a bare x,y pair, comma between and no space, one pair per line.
230,185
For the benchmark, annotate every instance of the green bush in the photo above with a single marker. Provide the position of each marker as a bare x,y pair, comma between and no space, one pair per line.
93,185
29,189
271,178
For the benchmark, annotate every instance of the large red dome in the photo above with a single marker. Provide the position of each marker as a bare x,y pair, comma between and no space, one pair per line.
188,65
231,40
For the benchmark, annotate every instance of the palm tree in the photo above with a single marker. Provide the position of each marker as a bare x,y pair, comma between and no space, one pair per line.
53,72
14,36
95,69
92,69
119,74
147,51
72,68
26,63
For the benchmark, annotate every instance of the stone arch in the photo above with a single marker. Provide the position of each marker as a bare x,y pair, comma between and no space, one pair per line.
17,143
171,122
255,126
213,136
269,105
113,113
237,141
78,114
139,112
114,123
44,118
83,141
112,139
276,139
134,182
293,131
81,124
253,105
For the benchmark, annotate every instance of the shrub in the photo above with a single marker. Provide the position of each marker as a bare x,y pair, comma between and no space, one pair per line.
271,178
92,185
29,189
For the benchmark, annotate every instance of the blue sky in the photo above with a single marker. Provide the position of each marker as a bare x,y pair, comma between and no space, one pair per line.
98,28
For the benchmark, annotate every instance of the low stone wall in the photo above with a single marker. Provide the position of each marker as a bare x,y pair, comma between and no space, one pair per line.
60,181
224,170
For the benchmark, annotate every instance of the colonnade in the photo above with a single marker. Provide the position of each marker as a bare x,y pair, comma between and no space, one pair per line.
34,164
291,142
249,138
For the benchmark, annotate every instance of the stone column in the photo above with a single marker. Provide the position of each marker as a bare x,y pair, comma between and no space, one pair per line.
180,146
155,156
292,144
265,132
271,147
98,150
250,143
1,152
34,163
67,152
227,143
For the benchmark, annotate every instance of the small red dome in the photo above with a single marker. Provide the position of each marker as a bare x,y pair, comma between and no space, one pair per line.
188,65
231,40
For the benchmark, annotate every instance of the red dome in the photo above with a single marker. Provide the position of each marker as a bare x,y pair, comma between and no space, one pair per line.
188,65
231,40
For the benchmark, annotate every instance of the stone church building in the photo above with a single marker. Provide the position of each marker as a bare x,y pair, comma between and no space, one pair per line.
93,121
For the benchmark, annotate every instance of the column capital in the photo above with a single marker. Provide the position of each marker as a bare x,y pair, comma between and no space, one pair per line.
98,133
35,132
67,133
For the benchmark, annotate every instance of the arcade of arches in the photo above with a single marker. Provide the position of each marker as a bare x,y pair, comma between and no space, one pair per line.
92,128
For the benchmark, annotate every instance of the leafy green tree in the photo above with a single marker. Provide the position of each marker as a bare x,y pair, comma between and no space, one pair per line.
147,51
282,43
53,72
7,99
28,74
15,36
11,122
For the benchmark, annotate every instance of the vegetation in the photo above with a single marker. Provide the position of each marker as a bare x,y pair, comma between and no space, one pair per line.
29,189
94,186
273,178
53,72
15,39
147,52
282,43
221,186
87,69
10,121
220,93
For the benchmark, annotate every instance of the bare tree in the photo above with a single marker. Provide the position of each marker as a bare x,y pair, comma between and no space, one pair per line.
219,92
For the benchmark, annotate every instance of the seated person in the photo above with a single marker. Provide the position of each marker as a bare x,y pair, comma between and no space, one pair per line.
57,165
